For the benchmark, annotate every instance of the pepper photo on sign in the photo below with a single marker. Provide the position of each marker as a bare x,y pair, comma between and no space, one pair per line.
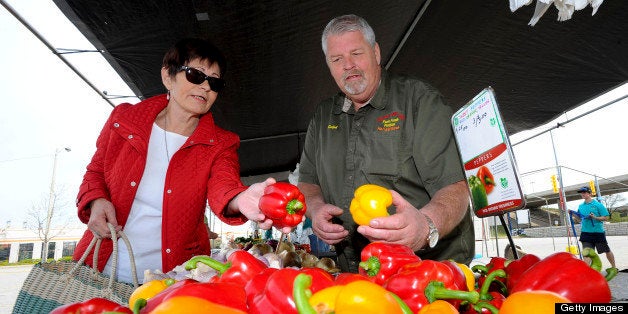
284,204
369,201
478,192
487,179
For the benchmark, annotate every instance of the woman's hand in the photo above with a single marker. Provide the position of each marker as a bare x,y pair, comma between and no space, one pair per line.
102,212
247,203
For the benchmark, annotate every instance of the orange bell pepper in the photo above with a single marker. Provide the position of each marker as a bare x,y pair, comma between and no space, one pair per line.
439,307
187,304
369,201
534,301
360,296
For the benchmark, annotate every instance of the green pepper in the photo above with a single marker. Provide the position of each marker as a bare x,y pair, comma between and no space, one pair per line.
478,193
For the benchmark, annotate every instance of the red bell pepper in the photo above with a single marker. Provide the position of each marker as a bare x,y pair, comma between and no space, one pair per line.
420,283
240,268
92,306
515,268
381,260
557,273
257,284
488,299
487,179
458,275
345,278
284,204
494,264
277,296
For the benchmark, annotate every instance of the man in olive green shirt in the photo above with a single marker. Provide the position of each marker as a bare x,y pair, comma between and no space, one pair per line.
391,131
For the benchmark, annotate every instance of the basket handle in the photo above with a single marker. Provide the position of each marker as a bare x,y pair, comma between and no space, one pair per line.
96,242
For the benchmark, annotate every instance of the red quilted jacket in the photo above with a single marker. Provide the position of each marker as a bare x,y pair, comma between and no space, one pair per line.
205,169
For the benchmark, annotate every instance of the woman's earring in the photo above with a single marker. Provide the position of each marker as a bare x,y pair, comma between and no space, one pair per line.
168,95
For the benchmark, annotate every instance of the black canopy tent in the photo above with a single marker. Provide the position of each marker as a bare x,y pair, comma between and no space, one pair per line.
277,75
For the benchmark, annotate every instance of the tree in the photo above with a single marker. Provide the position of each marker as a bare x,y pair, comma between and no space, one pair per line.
38,219
612,202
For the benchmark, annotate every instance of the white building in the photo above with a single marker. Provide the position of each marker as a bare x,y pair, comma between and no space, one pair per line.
18,244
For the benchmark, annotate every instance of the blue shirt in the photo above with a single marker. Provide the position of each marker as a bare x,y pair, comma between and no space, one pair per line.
589,224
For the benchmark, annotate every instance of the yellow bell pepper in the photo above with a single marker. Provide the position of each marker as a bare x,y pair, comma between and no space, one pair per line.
469,276
533,301
369,201
188,304
149,290
361,296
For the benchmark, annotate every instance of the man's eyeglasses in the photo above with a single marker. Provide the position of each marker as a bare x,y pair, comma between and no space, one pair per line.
195,76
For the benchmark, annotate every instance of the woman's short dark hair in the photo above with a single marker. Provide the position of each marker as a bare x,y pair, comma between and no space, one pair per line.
188,49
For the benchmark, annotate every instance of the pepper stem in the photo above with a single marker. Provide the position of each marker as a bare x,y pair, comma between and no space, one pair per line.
139,305
372,266
436,290
405,309
294,206
218,266
490,278
485,305
302,293
596,262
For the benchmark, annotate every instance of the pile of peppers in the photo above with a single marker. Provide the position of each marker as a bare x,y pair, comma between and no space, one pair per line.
392,279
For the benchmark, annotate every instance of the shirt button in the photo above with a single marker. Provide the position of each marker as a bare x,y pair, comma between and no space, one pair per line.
130,136
169,191
211,141
133,183
116,125
168,251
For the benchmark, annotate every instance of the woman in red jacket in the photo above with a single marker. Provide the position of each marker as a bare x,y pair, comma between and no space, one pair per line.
158,164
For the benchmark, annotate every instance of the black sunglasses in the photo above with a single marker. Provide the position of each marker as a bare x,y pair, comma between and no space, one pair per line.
195,76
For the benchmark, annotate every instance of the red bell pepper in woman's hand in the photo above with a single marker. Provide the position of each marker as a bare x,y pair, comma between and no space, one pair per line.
515,268
557,273
240,268
420,283
277,296
381,260
284,204
92,306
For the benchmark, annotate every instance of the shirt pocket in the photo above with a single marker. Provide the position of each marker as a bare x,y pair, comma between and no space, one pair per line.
381,159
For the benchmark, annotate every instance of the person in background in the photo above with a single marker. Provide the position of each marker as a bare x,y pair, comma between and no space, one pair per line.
159,163
389,130
592,233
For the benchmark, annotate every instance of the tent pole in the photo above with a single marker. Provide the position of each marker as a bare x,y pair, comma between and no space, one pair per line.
54,51
407,33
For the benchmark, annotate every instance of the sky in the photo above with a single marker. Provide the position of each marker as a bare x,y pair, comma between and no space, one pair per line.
46,107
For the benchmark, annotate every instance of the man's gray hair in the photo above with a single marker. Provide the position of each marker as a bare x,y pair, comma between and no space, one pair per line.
347,23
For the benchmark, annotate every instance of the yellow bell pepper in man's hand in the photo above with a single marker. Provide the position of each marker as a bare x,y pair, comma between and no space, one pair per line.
369,201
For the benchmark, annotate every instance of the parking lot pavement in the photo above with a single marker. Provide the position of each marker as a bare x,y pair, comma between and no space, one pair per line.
11,278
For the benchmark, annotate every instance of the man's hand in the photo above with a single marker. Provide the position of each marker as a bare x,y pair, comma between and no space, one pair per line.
321,215
102,212
409,227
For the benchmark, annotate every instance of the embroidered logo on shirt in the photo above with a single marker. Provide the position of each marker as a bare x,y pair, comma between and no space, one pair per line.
390,122
332,127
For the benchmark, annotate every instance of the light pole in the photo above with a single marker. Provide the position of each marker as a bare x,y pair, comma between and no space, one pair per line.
51,203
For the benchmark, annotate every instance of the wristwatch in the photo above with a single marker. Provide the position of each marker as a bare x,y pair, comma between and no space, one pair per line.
432,236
